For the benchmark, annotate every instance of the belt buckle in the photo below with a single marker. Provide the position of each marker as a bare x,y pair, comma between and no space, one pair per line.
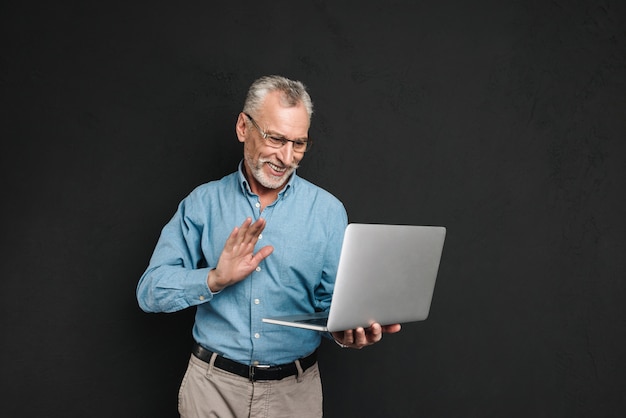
252,369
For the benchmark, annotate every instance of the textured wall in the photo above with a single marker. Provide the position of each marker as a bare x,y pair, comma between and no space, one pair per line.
503,120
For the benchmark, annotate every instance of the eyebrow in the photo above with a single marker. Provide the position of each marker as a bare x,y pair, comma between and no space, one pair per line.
281,136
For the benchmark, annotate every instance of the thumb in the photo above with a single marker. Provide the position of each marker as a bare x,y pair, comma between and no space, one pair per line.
263,253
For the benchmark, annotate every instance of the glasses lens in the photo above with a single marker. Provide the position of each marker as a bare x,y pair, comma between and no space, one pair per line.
275,142
299,146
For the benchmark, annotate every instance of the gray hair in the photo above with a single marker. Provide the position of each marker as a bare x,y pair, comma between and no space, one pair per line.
293,92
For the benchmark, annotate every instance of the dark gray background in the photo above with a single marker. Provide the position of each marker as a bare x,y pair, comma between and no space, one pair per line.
504,121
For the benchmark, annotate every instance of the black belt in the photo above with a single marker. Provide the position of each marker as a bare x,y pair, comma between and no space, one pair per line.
254,372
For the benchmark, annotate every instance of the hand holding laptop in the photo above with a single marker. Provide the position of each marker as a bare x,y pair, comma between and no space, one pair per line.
360,337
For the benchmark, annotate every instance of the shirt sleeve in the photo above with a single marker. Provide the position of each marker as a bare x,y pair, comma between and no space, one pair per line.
176,277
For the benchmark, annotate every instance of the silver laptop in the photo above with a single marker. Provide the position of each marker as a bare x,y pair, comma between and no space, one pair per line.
386,274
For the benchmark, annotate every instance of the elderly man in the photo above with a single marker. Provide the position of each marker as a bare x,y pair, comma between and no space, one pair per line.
280,258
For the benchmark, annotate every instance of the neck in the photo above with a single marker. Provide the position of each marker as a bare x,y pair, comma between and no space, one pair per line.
266,195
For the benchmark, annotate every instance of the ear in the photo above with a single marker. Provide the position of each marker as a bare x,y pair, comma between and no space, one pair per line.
241,127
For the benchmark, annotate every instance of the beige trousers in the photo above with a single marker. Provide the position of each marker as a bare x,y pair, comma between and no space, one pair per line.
207,391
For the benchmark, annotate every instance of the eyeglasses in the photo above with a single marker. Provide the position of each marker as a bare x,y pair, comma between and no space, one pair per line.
299,145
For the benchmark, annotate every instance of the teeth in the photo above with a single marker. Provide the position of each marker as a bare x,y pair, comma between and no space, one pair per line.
276,168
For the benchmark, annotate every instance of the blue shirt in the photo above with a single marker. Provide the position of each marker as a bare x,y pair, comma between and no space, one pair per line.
305,225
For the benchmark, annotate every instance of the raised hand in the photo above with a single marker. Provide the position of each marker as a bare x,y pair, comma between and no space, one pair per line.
238,260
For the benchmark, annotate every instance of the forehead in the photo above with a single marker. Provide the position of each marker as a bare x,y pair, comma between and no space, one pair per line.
278,117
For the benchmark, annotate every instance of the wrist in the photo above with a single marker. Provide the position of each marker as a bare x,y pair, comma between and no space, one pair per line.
212,281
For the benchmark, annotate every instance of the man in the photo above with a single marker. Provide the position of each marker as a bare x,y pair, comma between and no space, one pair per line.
281,259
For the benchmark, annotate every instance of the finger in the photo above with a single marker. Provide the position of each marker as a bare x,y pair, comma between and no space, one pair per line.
248,235
262,254
392,329
255,230
348,337
257,226
239,233
252,232
362,337
245,226
374,333
232,239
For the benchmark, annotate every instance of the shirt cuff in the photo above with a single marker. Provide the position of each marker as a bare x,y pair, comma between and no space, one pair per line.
197,288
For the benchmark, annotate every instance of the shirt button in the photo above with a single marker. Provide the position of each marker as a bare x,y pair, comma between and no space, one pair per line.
201,297
258,205
257,301
258,269
257,335
260,236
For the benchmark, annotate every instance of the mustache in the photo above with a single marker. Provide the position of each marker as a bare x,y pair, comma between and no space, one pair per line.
292,166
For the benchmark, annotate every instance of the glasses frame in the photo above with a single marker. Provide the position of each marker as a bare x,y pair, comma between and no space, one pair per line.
276,142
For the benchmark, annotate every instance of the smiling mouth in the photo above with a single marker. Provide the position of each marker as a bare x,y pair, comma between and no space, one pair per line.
277,168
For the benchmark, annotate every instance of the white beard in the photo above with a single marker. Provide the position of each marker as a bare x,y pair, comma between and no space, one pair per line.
269,181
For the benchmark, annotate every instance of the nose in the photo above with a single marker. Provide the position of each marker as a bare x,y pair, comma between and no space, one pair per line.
286,153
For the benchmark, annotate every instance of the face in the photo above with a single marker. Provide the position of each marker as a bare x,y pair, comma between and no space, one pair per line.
267,167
